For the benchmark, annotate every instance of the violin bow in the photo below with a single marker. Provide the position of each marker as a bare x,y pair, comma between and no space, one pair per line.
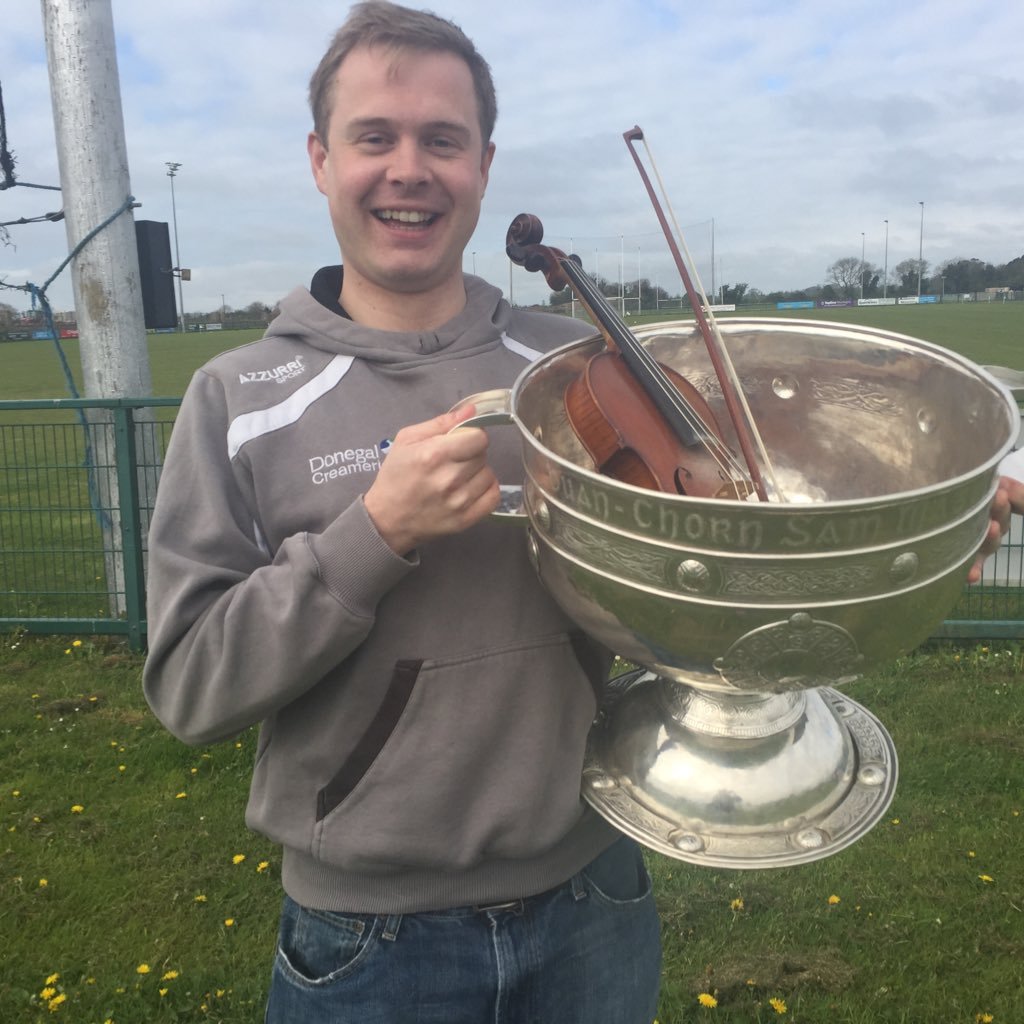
751,445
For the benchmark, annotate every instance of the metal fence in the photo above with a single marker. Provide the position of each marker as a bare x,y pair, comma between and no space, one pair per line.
77,481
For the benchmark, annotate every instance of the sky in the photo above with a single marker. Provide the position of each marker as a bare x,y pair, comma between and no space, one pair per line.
786,134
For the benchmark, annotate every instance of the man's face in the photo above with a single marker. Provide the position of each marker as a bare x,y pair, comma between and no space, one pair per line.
403,168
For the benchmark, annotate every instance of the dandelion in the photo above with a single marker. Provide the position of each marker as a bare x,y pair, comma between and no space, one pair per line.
142,969
181,796
229,922
43,883
708,1000
736,904
778,1005
76,643
169,976
15,792
895,821
122,768
53,979
971,853
77,808
984,1018
834,900
262,866
200,898
986,878
48,993
238,858
163,991
55,1003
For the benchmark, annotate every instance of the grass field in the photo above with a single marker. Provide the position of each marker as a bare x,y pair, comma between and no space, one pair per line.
131,892
986,332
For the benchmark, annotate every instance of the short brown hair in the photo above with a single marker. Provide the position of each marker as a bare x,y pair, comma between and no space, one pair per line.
380,23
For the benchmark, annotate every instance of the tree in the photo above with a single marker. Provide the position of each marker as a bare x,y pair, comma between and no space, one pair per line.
847,275
908,272
734,292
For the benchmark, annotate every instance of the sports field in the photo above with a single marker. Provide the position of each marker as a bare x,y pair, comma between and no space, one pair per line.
986,332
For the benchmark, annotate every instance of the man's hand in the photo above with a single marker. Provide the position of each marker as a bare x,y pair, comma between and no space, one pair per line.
1009,500
432,482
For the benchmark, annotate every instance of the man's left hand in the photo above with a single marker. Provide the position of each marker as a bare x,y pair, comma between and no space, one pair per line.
1009,500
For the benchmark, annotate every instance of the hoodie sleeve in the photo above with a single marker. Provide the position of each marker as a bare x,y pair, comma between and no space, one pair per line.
235,634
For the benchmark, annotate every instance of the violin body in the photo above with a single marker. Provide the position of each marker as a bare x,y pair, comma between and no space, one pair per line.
628,438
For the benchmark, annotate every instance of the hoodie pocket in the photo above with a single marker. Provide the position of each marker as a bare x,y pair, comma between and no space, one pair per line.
466,759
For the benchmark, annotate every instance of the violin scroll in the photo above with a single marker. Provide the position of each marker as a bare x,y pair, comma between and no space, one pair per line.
522,245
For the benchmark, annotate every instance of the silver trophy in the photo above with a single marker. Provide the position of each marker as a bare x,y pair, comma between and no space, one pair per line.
734,747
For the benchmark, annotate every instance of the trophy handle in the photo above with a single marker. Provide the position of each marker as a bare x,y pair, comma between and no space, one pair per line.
494,409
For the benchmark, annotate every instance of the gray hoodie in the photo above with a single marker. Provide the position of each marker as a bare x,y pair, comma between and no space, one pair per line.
423,719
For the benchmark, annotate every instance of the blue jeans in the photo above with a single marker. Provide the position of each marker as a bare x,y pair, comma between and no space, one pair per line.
588,952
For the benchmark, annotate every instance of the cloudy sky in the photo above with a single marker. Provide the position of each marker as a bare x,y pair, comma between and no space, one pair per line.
788,132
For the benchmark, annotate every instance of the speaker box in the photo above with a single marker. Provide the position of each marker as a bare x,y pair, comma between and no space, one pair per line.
153,242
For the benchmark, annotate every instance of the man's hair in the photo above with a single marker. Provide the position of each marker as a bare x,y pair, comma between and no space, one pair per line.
380,23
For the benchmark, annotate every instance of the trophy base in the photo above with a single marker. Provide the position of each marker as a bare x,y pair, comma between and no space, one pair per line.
737,780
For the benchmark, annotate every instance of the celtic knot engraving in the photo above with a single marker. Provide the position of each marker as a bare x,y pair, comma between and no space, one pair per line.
796,654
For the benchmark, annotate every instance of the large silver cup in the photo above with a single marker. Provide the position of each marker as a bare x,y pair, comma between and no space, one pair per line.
734,748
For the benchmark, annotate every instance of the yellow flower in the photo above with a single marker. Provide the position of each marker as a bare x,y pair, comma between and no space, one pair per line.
833,900
706,999
43,883
163,991
986,878
229,922
262,866
971,853
77,808
169,976
238,858
76,643
984,1018
778,1005
181,796
142,969
15,792
200,898
48,993
55,1003
53,979
737,904
121,768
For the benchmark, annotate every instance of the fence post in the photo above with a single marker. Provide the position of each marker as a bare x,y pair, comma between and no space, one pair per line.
130,523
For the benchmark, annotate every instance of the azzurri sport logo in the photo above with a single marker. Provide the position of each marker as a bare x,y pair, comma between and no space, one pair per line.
276,375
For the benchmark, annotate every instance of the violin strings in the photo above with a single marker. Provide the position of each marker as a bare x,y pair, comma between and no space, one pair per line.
713,323
719,452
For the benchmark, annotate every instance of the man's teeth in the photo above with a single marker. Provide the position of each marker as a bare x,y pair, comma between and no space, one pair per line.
406,216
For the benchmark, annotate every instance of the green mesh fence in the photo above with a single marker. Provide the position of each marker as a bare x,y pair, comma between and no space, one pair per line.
77,480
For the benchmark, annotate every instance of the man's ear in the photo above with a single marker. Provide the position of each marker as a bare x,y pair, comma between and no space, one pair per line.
317,158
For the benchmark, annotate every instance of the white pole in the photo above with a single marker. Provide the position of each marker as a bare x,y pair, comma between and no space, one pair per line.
93,159
172,170
920,251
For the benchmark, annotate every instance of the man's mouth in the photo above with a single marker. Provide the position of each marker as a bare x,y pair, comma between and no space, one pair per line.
417,217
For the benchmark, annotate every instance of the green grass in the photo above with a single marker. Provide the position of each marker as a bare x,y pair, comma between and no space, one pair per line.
917,935
987,332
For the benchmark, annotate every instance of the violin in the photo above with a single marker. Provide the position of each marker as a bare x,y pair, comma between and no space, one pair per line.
641,422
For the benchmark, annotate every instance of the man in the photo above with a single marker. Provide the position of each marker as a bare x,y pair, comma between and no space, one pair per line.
423,703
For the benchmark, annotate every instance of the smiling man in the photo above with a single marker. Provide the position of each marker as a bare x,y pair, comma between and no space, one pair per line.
322,564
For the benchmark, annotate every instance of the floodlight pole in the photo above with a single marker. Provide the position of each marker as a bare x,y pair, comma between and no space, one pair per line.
862,264
885,273
920,250
172,170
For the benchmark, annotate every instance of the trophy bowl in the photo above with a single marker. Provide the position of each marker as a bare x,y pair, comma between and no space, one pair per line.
732,746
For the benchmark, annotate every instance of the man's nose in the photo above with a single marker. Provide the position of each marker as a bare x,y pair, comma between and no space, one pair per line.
408,164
